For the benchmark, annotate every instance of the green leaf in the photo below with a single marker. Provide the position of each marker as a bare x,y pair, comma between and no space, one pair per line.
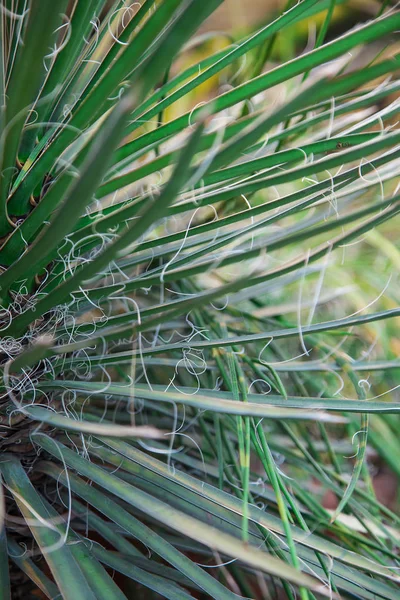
178,521
150,538
79,27
78,197
228,501
40,20
64,568
299,65
100,582
46,415
228,57
158,584
17,555
168,43
156,210
273,407
5,589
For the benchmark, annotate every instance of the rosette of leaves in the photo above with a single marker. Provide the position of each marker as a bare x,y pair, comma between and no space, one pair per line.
147,396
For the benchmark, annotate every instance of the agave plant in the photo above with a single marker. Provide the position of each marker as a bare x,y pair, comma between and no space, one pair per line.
178,391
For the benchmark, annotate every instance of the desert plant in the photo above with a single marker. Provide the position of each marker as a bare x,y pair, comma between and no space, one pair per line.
153,422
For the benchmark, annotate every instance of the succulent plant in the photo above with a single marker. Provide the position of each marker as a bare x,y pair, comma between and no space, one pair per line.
155,234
